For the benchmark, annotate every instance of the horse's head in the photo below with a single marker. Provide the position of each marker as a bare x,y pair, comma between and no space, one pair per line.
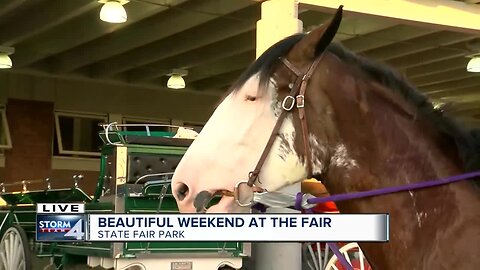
233,139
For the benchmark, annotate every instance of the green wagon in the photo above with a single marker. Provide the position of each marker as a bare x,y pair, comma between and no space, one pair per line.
135,173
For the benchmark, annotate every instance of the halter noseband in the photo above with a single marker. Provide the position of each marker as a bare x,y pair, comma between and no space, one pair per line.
296,95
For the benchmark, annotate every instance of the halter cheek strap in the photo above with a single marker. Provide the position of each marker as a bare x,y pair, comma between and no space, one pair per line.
296,96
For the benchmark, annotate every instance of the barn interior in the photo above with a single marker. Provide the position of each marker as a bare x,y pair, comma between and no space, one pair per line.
70,70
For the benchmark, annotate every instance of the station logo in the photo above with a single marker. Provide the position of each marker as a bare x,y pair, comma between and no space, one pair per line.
60,222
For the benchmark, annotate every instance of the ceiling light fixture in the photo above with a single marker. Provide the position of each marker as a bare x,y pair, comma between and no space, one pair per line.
113,11
5,61
474,64
176,80
438,105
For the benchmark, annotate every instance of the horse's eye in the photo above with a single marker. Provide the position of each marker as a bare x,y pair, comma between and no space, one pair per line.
251,98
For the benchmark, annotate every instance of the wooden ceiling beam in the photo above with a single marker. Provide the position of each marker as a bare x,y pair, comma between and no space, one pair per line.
75,32
436,67
441,14
154,55
146,31
451,85
463,108
234,63
418,44
455,92
203,35
353,30
177,52
221,80
41,17
450,75
221,50
155,69
385,37
7,6
461,98
428,56
350,28
217,32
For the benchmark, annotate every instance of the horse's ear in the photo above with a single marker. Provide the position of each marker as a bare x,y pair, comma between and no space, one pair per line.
317,40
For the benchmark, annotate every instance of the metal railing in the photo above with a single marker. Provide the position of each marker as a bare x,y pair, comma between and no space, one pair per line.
47,181
116,128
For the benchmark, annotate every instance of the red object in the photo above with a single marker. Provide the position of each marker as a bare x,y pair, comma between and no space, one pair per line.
327,207
355,265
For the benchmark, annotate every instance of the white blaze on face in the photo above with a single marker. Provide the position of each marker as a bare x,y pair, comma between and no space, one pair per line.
230,145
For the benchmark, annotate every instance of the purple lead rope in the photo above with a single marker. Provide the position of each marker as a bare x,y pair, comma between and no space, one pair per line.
387,190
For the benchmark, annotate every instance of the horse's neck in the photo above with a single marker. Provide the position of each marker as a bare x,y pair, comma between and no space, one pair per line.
381,148
406,157
424,224
381,140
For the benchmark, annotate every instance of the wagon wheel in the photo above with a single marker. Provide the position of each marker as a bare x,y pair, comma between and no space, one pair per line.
313,258
14,251
358,261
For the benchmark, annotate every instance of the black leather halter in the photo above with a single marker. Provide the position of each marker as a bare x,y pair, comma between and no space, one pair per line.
296,96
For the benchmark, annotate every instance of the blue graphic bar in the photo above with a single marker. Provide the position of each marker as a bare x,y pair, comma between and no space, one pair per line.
61,228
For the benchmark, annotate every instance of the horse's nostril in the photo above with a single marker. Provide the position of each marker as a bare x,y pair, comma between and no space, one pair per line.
182,191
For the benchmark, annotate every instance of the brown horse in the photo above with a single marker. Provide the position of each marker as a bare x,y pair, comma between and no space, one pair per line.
368,128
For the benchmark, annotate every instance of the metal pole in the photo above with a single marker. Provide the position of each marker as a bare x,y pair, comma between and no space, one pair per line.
274,256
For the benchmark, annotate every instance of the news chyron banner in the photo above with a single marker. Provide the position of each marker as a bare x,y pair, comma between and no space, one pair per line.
68,222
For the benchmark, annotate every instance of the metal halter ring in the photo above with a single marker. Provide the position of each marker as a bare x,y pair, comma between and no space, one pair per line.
284,102
300,101
236,193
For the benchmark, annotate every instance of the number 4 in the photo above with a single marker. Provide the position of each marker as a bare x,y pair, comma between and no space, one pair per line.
76,231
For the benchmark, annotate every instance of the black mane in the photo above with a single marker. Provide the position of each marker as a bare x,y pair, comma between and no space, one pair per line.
265,64
468,142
